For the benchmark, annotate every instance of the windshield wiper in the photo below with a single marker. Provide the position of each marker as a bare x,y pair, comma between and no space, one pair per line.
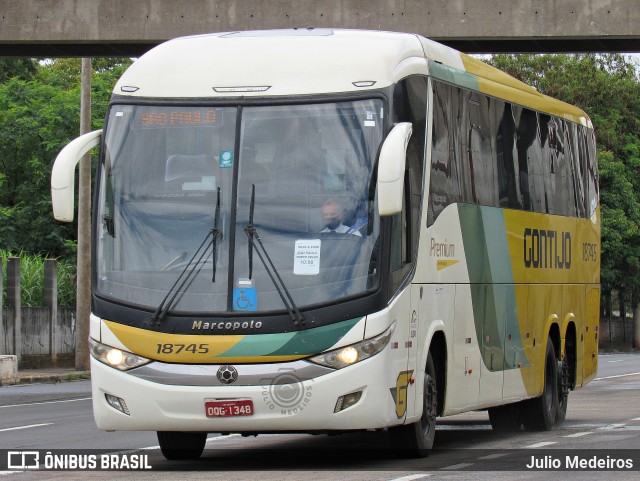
188,274
251,226
216,234
264,257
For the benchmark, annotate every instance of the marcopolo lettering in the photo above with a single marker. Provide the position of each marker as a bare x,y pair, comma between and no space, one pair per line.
547,249
225,325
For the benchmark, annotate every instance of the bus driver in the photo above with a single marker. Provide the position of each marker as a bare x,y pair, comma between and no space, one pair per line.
332,217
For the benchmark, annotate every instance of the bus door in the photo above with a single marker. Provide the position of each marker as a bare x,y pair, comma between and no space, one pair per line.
414,349
402,367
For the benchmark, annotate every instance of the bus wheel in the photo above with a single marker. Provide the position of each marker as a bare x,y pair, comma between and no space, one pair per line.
179,445
563,388
506,419
416,440
539,414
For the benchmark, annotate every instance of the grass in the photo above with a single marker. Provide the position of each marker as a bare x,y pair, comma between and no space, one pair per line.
81,376
32,280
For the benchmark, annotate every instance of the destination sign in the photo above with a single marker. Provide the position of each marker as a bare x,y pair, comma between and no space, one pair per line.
178,118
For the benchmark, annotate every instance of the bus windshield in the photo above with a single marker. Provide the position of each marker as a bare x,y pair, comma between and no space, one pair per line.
188,194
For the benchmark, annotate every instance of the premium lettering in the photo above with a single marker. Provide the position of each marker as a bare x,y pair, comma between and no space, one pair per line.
442,249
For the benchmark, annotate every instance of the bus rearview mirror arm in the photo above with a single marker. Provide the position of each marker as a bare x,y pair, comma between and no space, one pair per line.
391,166
63,174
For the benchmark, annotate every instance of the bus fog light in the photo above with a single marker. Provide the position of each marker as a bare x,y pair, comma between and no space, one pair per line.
117,403
348,355
347,401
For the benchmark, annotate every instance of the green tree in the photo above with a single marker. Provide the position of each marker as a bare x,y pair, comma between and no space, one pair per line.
39,114
17,67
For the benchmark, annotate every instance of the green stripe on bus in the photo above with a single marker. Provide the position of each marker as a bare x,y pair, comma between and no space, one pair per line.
309,341
493,294
453,76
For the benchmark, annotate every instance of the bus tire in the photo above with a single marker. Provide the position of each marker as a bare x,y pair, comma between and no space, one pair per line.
506,419
179,445
416,440
563,388
539,414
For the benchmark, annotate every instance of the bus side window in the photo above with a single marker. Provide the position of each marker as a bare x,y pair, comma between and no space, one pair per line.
409,105
400,249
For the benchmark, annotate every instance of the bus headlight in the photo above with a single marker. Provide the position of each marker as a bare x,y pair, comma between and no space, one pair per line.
348,355
114,357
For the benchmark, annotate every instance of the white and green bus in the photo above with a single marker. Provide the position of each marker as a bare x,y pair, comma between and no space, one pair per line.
320,230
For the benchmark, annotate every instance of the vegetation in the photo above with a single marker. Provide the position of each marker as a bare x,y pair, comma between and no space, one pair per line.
32,280
39,114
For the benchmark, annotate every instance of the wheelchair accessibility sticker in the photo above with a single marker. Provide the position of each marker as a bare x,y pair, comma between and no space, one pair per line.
245,299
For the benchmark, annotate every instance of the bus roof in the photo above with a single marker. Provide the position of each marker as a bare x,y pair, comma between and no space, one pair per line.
276,63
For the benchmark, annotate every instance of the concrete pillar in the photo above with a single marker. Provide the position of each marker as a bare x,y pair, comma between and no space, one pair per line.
51,301
636,327
83,301
8,369
13,300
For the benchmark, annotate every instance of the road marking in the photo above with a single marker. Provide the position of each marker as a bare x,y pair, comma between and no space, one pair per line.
45,402
457,466
412,477
4,473
635,419
541,444
578,435
619,375
218,438
25,427
617,360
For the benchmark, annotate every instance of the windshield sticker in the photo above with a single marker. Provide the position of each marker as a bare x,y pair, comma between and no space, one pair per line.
245,299
226,159
370,122
306,259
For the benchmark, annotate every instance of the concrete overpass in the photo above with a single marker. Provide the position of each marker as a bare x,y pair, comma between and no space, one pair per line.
130,27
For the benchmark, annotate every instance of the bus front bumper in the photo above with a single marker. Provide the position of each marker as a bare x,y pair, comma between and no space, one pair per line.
292,404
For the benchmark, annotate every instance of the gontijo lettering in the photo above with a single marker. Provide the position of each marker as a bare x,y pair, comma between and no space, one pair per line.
547,249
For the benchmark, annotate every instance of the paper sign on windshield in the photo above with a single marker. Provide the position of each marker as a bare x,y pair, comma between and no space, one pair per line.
306,260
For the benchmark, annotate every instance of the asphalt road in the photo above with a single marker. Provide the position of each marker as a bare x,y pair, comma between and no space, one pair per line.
603,422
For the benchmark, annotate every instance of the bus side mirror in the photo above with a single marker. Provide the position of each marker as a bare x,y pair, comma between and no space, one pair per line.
391,166
63,174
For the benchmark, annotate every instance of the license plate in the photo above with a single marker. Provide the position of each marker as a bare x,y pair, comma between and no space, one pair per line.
222,408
